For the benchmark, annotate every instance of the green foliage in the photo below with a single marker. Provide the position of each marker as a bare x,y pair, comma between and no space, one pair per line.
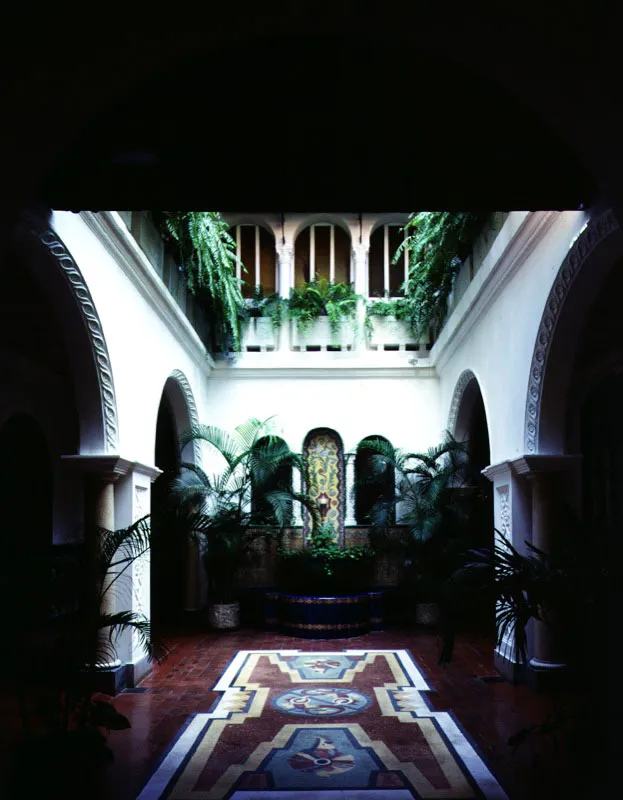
228,511
430,503
272,306
398,308
325,566
208,256
315,299
437,243
56,650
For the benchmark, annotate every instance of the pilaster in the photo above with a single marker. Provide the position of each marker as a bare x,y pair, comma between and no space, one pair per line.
349,490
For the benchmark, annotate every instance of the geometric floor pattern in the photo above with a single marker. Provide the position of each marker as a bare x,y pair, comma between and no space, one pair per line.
347,725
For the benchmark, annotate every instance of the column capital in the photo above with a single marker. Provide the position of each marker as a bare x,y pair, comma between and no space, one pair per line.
109,467
531,465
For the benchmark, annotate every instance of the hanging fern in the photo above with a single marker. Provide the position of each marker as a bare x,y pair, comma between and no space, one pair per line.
437,243
208,256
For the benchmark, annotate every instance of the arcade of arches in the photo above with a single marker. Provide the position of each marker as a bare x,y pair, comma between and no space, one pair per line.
528,372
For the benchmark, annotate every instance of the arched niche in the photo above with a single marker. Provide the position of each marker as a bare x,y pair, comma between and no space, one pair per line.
370,487
281,480
323,453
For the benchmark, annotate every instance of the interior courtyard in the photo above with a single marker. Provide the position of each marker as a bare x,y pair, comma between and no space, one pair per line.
129,390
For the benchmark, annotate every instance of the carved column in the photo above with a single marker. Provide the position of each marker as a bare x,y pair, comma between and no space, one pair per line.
349,489
511,517
99,512
297,488
545,474
285,255
360,269
117,495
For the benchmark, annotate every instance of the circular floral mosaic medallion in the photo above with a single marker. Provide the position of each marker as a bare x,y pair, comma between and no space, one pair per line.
328,702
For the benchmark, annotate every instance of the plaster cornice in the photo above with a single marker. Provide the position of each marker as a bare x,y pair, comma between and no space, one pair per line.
533,464
501,470
111,467
496,271
112,232
336,371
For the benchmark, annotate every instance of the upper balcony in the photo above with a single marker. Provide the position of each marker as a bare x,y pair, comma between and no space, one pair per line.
282,252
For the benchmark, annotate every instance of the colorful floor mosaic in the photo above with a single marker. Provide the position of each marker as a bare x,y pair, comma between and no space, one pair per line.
351,725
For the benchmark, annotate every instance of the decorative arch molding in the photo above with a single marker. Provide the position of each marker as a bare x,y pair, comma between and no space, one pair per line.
273,228
465,378
74,279
182,381
389,219
316,219
595,233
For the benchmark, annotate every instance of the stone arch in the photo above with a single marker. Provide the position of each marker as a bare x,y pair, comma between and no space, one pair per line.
462,394
184,407
577,283
274,227
53,268
325,445
313,219
389,219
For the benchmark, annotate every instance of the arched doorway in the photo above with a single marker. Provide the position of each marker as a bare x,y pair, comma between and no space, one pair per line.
468,424
172,576
26,500
167,555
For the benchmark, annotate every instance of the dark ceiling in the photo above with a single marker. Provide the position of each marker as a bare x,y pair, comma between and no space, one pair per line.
323,121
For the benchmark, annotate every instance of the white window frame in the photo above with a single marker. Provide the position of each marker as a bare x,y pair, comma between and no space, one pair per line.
312,251
257,265
387,259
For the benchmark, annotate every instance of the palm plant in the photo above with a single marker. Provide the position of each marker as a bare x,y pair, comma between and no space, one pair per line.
431,504
60,654
570,590
229,510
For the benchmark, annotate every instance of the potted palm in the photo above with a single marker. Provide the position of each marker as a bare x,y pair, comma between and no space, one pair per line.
244,500
56,653
432,506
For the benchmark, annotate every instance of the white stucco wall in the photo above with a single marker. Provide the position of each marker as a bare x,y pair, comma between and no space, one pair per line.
497,342
403,409
143,348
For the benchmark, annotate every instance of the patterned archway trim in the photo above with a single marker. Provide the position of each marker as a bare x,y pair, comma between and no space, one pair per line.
596,231
324,456
84,301
465,378
182,381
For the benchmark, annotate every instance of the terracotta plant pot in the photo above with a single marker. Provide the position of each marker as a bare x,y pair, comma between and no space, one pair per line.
224,616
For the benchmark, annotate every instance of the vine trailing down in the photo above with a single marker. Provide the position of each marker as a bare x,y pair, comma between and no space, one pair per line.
208,257
437,243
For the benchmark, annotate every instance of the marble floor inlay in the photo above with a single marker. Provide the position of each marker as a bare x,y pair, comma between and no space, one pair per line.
349,725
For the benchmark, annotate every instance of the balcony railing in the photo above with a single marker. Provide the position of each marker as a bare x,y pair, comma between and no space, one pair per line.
387,333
